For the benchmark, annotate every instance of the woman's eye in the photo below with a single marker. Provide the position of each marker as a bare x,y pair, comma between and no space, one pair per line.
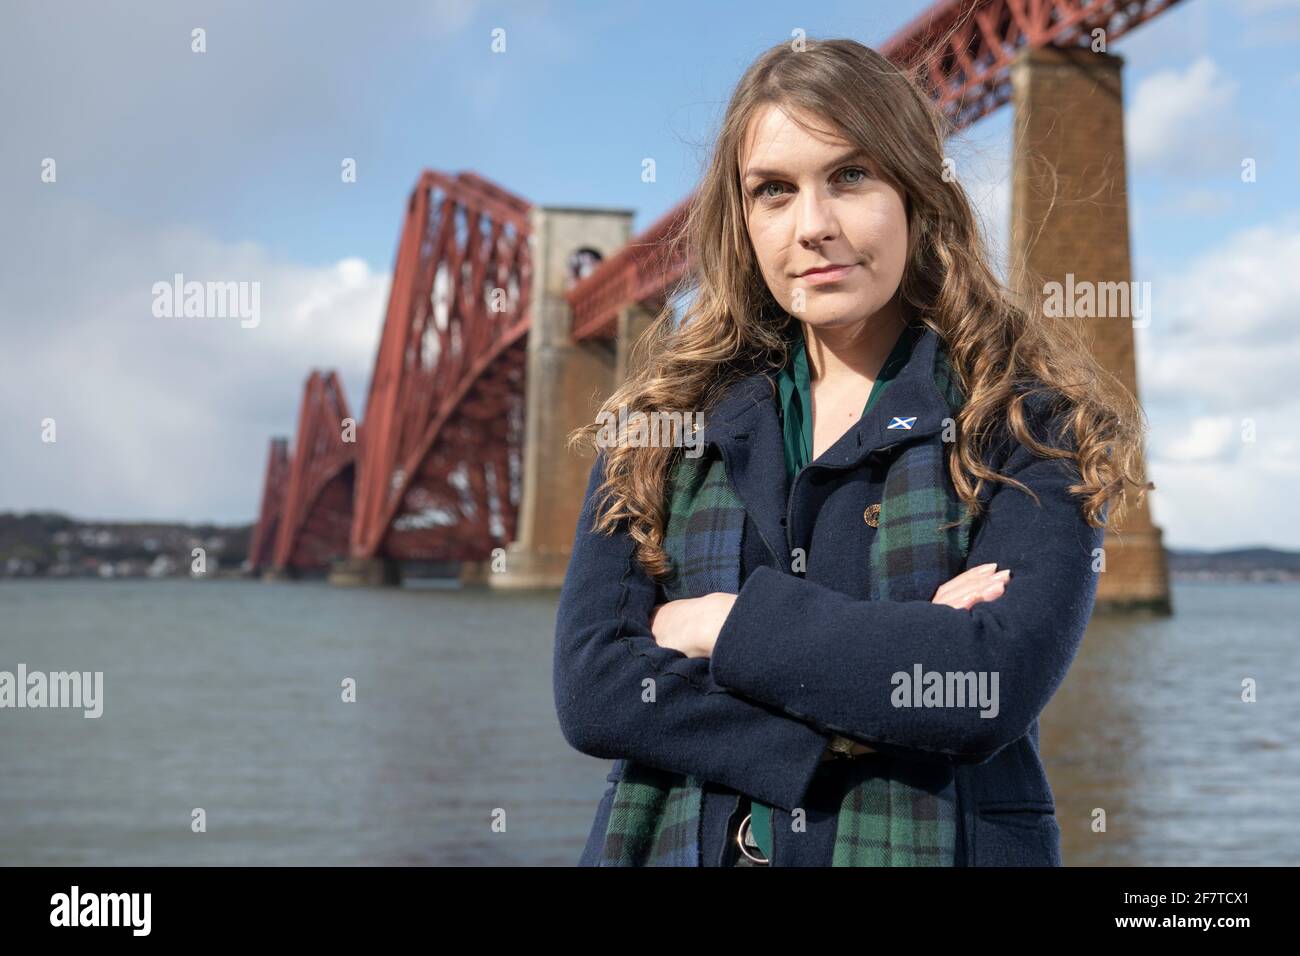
859,174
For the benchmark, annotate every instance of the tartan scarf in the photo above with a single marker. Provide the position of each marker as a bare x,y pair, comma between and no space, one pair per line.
893,812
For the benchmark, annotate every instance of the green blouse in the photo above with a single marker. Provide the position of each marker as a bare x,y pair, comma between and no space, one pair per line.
795,394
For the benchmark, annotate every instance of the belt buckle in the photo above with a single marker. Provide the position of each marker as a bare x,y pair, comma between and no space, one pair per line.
743,831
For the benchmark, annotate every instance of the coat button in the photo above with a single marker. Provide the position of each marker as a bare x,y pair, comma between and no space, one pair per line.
872,515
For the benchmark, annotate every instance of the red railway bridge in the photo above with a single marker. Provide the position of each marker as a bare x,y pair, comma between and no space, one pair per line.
507,323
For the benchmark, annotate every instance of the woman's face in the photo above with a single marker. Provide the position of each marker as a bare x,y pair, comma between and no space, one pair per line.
812,203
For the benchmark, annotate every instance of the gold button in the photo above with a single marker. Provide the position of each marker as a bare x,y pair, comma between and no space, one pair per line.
872,515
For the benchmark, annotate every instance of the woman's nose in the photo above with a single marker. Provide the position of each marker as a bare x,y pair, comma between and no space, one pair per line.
816,224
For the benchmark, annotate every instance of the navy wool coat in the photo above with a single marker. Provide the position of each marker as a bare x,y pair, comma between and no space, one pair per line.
811,643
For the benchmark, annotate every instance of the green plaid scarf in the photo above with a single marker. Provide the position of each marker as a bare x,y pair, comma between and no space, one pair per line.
894,812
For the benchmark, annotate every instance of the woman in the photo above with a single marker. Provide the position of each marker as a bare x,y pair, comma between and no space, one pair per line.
789,628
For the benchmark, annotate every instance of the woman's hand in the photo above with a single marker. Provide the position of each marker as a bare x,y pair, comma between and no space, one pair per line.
972,586
691,625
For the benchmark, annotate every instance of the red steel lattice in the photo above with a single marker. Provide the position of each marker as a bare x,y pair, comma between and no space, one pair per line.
317,511
268,516
960,51
440,471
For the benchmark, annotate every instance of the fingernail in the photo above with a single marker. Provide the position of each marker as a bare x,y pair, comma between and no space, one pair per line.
1005,572
986,567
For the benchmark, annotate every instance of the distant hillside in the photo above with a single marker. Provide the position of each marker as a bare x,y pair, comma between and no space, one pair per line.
1243,564
43,544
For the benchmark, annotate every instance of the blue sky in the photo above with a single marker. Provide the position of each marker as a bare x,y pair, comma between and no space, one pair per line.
228,163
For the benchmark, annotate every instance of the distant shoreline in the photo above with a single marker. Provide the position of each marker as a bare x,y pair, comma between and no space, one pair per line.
54,546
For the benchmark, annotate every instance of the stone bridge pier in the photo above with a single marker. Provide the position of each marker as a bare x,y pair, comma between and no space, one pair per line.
1069,225
566,383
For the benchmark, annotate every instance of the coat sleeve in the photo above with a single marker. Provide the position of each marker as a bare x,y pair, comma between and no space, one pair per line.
830,659
606,660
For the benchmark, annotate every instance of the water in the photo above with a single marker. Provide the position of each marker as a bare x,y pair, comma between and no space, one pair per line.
1150,726
227,696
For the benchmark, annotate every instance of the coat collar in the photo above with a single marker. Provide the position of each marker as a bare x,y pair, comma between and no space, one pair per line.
744,425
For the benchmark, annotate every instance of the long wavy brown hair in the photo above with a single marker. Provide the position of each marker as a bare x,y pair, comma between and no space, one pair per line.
999,343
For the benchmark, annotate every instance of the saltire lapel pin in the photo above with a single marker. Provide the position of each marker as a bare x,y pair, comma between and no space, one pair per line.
898,422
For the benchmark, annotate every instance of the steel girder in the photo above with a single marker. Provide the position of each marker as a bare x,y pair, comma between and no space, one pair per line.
440,468
268,515
318,502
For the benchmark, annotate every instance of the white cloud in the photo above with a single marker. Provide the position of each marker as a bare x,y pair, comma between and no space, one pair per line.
163,417
1206,440
1235,297
1182,122
1217,375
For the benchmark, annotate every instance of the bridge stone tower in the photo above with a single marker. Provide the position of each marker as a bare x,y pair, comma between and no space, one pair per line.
1069,118
566,383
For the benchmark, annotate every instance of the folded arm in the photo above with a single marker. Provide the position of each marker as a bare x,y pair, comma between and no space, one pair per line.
831,660
619,694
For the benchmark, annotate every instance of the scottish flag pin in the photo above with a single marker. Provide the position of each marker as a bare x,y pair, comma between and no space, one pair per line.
902,422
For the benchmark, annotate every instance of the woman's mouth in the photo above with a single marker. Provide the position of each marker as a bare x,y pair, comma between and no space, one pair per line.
825,276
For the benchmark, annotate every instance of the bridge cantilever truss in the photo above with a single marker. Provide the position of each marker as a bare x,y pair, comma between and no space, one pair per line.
268,517
315,512
444,418
435,472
